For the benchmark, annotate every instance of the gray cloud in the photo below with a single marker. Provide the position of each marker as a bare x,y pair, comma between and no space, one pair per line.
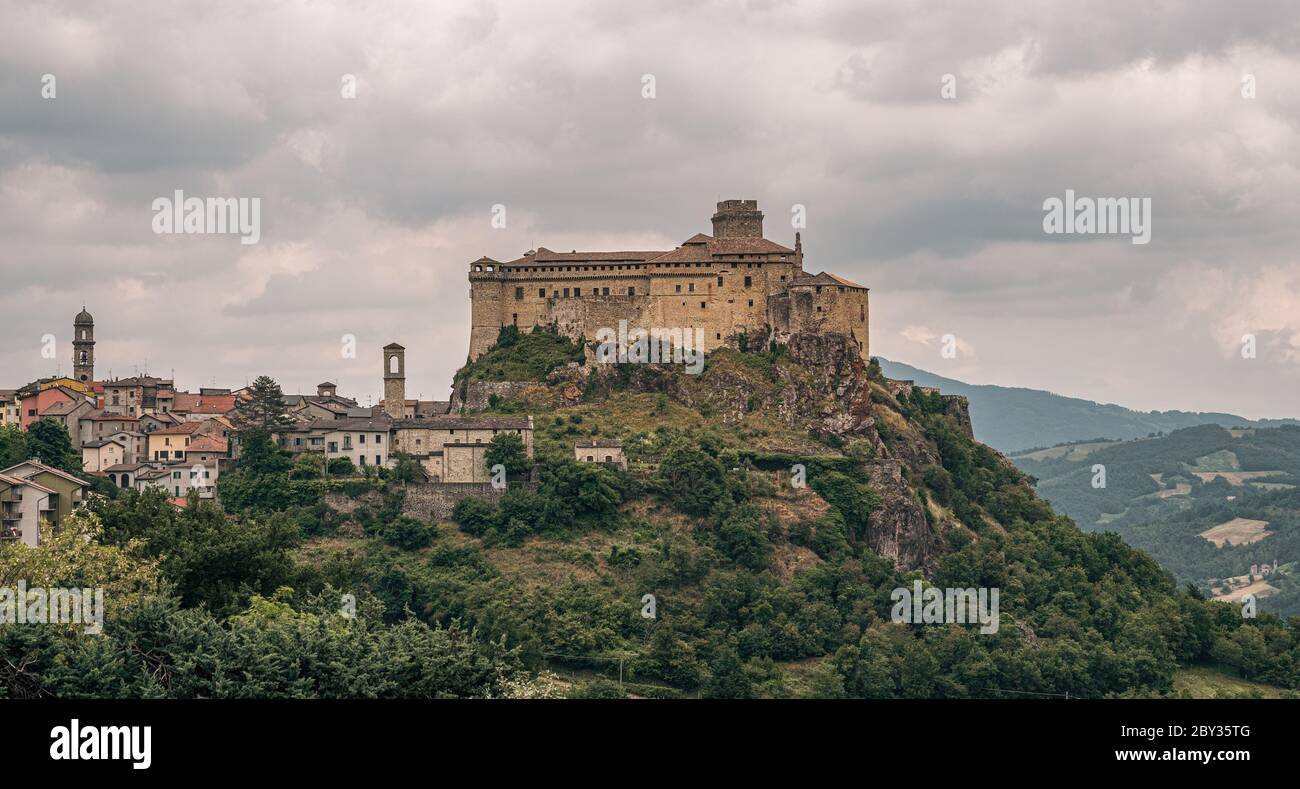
373,207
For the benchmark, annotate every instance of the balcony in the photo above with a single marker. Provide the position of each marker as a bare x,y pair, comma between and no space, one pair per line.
8,533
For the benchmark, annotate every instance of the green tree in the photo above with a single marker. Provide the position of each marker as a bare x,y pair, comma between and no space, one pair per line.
263,409
692,480
48,442
407,469
727,678
13,445
508,450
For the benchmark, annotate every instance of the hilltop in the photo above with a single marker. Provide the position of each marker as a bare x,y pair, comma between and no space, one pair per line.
1013,419
749,537
765,587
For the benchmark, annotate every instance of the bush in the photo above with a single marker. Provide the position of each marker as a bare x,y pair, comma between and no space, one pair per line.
341,467
475,517
692,480
409,533
598,689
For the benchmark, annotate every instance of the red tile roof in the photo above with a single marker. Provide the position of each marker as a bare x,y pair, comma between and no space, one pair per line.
208,444
183,429
203,404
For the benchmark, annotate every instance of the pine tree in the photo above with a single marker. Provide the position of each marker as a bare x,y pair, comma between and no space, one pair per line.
263,409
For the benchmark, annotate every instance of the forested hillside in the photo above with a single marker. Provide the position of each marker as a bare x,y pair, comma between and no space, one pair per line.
1208,503
771,506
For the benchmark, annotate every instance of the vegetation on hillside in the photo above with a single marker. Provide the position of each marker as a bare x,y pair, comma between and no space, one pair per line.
760,586
521,356
1161,494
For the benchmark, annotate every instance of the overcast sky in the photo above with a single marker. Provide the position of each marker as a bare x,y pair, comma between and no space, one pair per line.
372,207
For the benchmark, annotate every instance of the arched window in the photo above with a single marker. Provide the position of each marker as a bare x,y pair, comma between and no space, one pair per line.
393,365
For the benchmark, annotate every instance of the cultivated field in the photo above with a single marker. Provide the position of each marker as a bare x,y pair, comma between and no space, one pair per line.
1238,531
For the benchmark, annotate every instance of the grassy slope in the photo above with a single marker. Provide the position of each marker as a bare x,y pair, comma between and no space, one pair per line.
1207,682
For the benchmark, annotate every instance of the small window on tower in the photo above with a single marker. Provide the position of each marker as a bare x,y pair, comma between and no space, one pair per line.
519,293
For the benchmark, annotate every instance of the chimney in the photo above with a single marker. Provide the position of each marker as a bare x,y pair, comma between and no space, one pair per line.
738,219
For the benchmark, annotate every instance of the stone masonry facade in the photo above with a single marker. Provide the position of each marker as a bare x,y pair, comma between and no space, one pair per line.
732,284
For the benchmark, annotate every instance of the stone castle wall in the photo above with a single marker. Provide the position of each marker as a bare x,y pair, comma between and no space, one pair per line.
723,302
724,286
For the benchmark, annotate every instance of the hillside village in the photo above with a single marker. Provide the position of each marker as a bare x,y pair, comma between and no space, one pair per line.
145,432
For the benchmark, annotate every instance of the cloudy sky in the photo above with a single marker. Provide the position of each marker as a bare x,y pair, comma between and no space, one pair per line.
373,206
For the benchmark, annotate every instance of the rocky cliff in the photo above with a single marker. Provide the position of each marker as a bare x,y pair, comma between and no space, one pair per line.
816,386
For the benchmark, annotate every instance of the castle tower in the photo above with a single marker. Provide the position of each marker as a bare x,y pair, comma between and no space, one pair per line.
83,346
738,219
394,380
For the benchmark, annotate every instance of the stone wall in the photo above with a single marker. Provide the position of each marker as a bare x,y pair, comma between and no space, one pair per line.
427,502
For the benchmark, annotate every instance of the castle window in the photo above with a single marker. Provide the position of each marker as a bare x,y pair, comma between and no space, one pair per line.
819,288
679,288
751,302
749,281
604,291
514,316
566,293
862,313
541,293
691,287
519,293
631,291
719,281
719,335
577,291
701,305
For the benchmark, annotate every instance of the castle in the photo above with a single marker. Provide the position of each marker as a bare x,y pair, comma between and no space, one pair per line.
732,284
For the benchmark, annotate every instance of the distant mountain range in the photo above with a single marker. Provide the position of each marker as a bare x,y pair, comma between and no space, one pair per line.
1011,419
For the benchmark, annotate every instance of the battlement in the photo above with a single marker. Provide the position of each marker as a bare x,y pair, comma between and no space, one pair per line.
738,219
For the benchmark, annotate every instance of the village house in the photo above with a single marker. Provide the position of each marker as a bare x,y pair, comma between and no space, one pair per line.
35,493
99,455
452,448
600,451
169,443
9,408
363,441
141,394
